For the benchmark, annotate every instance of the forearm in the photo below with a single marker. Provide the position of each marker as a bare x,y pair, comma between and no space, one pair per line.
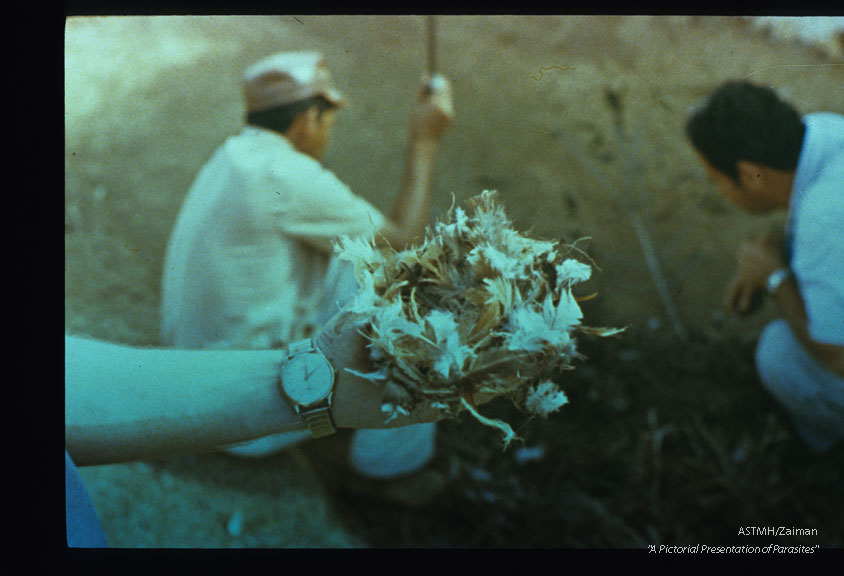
124,403
430,116
411,209
790,303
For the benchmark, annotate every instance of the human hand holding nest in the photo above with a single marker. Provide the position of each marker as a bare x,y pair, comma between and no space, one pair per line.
358,402
476,311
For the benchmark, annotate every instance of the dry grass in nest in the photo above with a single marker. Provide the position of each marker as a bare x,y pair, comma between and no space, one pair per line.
476,310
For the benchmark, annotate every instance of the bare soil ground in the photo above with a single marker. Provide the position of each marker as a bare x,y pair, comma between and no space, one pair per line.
577,122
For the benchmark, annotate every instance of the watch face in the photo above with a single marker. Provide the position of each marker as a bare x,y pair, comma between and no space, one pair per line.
307,378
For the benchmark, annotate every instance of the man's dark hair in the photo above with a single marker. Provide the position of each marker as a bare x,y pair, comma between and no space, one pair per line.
280,118
742,121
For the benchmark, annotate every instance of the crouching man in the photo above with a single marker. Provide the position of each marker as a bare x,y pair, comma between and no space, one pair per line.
764,157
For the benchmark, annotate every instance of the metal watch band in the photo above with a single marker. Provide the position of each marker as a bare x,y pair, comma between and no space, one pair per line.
319,421
301,347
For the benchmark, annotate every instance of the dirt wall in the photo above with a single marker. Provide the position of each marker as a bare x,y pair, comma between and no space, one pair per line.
148,99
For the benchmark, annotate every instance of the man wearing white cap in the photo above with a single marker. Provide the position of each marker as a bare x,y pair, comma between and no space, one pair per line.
249,263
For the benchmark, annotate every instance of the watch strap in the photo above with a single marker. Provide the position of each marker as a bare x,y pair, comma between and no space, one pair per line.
301,347
319,421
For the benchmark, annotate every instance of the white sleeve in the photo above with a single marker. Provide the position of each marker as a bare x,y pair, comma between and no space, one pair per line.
318,208
818,262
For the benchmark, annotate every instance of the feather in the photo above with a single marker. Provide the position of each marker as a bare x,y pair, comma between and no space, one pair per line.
475,308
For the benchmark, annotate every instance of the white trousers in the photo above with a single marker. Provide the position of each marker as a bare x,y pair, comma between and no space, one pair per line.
376,453
812,395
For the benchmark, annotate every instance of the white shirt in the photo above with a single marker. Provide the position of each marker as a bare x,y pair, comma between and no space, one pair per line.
246,263
816,217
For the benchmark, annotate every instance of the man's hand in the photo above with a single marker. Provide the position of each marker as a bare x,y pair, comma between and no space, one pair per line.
433,111
756,260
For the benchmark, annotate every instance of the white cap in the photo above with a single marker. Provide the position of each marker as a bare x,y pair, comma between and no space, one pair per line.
288,77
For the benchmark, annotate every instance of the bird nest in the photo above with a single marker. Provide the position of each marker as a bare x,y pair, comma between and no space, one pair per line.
477,310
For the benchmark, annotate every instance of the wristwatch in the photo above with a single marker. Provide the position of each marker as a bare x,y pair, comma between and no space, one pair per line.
776,279
307,382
